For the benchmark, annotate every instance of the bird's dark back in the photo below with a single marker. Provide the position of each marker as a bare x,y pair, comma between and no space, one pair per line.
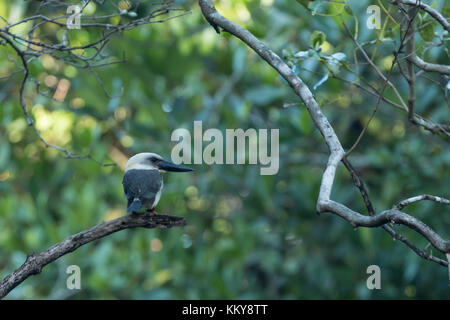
141,183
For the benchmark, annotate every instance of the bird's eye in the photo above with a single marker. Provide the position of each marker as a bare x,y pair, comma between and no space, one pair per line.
154,159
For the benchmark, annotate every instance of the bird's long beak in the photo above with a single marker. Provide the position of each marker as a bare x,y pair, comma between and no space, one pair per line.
169,166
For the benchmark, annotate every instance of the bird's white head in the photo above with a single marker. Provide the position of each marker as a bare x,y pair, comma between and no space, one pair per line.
153,161
144,161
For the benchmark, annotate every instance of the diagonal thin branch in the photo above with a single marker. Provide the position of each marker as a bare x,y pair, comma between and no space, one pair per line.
35,262
385,84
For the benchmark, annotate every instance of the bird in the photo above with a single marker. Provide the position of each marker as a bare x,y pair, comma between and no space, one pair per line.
143,182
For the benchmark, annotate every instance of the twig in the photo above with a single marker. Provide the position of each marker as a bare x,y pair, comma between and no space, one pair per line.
411,200
410,49
433,12
386,81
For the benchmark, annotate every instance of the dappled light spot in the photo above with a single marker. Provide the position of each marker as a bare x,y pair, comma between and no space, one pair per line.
167,107
127,141
222,208
374,127
242,12
222,225
228,205
90,8
156,245
112,214
32,152
5,175
50,81
70,71
124,5
120,114
191,191
344,101
386,63
209,38
77,103
48,62
118,157
114,20
61,90
410,291
16,130
398,130
163,276
266,3
326,47
55,126
196,203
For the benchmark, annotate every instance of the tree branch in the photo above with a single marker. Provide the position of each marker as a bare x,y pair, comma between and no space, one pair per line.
324,203
35,262
432,12
411,55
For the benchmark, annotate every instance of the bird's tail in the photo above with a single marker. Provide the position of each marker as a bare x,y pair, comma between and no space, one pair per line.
135,205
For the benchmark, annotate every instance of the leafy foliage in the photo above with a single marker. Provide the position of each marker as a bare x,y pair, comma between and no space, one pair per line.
248,236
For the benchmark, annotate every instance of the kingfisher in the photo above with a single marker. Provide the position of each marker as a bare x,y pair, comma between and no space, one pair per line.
143,182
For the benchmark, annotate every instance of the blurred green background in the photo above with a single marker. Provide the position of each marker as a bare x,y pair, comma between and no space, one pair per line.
248,236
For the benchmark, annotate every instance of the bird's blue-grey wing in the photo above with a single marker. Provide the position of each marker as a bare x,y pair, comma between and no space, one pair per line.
142,185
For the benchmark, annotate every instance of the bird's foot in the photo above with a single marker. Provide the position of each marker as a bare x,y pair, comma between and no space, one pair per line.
153,210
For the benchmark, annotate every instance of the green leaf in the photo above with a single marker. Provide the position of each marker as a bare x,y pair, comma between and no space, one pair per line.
302,54
305,121
348,9
304,3
317,38
446,10
426,31
334,61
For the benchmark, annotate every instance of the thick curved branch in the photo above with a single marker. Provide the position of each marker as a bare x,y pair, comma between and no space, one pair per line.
324,204
35,262
429,67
